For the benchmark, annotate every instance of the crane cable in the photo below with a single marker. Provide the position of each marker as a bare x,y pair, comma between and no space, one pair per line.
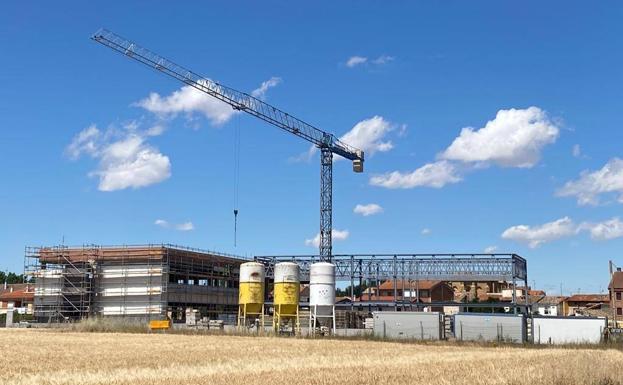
236,173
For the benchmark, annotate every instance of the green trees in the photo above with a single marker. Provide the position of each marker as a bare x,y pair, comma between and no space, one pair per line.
11,277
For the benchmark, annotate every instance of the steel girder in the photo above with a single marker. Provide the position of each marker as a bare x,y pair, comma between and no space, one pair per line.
443,267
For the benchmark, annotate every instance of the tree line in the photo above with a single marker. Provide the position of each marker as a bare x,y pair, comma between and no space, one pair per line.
11,277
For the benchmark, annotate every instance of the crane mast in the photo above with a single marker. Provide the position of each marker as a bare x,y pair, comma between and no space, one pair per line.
328,143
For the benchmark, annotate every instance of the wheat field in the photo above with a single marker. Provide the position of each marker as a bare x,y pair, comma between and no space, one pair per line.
53,357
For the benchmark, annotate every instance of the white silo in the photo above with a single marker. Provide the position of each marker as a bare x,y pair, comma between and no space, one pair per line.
321,296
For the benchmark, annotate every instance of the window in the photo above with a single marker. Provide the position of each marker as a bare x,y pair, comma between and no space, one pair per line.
619,310
618,295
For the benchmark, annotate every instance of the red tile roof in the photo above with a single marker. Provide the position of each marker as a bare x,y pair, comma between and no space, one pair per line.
551,300
422,285
588,298
388,298
17,295
617,280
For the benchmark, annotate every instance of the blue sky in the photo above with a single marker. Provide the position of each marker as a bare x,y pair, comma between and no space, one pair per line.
538,173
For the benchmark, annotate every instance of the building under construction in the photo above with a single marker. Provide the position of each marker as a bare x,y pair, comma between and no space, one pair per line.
146,281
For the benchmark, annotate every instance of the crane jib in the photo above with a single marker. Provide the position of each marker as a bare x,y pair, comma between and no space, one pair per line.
237,99
328,144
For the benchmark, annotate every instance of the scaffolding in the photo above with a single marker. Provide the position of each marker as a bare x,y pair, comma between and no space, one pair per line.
140,281
63,287
131,281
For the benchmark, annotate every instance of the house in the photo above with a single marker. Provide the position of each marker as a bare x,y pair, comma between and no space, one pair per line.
548,305
343,300
583,304
615,289
520,293
369,292
483,291
410,291
425,291
19,296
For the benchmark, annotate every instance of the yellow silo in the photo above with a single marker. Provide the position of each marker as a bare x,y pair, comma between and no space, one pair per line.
251,294
286,296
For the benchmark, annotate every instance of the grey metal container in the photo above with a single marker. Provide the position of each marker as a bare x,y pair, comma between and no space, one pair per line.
568,330
408,325
490,327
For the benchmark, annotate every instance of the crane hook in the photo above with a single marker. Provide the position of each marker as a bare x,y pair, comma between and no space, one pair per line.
235,225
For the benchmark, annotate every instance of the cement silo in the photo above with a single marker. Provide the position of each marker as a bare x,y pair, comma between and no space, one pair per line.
251,295
286,297
321,297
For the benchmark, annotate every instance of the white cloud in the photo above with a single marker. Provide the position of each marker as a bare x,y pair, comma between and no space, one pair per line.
383,59
367,210
190,100
367,135
305,156
85,142
354,61
425,231
156,130
490,249
131,163
260,92
124,162
604,231
576,151
514,138
534,236
186,226
402,131
336,235
436,175
590,185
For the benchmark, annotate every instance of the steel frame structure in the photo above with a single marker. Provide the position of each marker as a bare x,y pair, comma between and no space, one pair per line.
326,203
443,267
328,143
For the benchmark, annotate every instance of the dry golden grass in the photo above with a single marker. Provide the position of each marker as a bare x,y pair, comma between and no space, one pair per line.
51,357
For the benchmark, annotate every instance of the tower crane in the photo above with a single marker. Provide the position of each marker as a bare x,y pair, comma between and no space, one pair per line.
327,143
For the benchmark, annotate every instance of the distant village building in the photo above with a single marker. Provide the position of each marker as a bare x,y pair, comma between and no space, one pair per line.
481,291
615,289
548,306
19,297
410,291
585,304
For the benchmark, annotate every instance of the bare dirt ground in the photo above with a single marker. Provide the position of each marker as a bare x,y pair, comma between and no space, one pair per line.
54,357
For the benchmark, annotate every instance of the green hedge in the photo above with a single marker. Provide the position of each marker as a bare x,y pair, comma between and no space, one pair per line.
16,318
